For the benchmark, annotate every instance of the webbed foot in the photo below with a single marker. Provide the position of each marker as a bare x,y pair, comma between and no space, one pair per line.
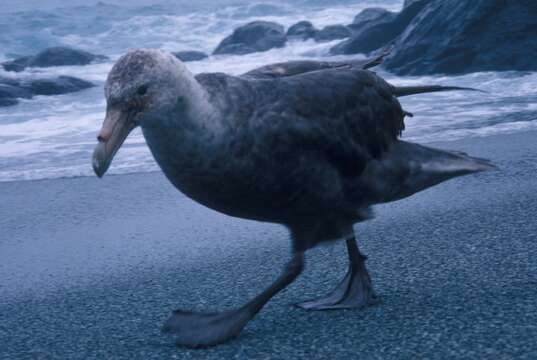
198,330
354,291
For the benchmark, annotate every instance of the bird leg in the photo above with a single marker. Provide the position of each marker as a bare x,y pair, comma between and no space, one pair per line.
354,291
197,330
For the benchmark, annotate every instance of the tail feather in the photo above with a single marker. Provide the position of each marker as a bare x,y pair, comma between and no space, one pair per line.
409,168
400,91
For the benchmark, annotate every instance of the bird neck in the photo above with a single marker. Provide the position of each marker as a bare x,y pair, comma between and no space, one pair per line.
183,129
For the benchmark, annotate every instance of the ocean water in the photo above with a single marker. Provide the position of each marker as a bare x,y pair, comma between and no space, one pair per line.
54,136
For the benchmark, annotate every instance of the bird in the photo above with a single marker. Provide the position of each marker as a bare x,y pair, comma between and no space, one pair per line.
310,145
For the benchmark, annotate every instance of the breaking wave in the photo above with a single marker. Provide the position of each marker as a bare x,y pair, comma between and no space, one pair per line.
50,137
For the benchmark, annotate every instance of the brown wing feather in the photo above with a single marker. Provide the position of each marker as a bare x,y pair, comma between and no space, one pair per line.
292,68
348,115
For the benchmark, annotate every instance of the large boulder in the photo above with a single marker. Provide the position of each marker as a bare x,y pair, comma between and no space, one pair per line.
9,81
190,55
333,32
63,56
371,16
379,33
57,86
253,37
302,30
55,56
17,65
12,89
462,36
10,92
7,101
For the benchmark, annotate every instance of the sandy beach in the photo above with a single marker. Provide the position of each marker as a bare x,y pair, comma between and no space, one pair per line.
90,269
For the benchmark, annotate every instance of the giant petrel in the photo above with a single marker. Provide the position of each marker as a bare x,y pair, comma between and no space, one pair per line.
309,145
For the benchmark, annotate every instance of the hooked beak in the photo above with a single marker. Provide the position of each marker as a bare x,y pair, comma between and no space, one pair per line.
116,127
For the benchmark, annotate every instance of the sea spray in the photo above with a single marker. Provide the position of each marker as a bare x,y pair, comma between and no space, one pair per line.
50,137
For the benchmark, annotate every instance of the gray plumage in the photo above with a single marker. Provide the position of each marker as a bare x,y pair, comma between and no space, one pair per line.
289,149
310,145
294,146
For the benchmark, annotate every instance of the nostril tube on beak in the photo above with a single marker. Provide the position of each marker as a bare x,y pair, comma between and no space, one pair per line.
104,135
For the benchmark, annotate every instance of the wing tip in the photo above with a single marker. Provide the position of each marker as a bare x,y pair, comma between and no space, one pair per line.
400,91
378,60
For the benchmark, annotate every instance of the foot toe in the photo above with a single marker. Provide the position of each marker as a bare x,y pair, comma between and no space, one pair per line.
319,304
344,303
195,330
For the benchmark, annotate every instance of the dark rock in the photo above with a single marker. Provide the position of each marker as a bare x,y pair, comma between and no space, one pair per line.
302,30
373,14
378,34
11,89
14,91
16,65
190,55
57,86
239,49
56,56
8,81
253,37
333,32
9,95
462,36
62,56
371,17
7,101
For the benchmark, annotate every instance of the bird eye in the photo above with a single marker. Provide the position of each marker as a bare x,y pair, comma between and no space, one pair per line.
142,90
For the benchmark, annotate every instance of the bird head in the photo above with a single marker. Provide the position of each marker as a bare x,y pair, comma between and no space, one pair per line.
141,85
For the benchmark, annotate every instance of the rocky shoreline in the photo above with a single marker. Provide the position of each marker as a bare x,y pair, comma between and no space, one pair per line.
426,37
